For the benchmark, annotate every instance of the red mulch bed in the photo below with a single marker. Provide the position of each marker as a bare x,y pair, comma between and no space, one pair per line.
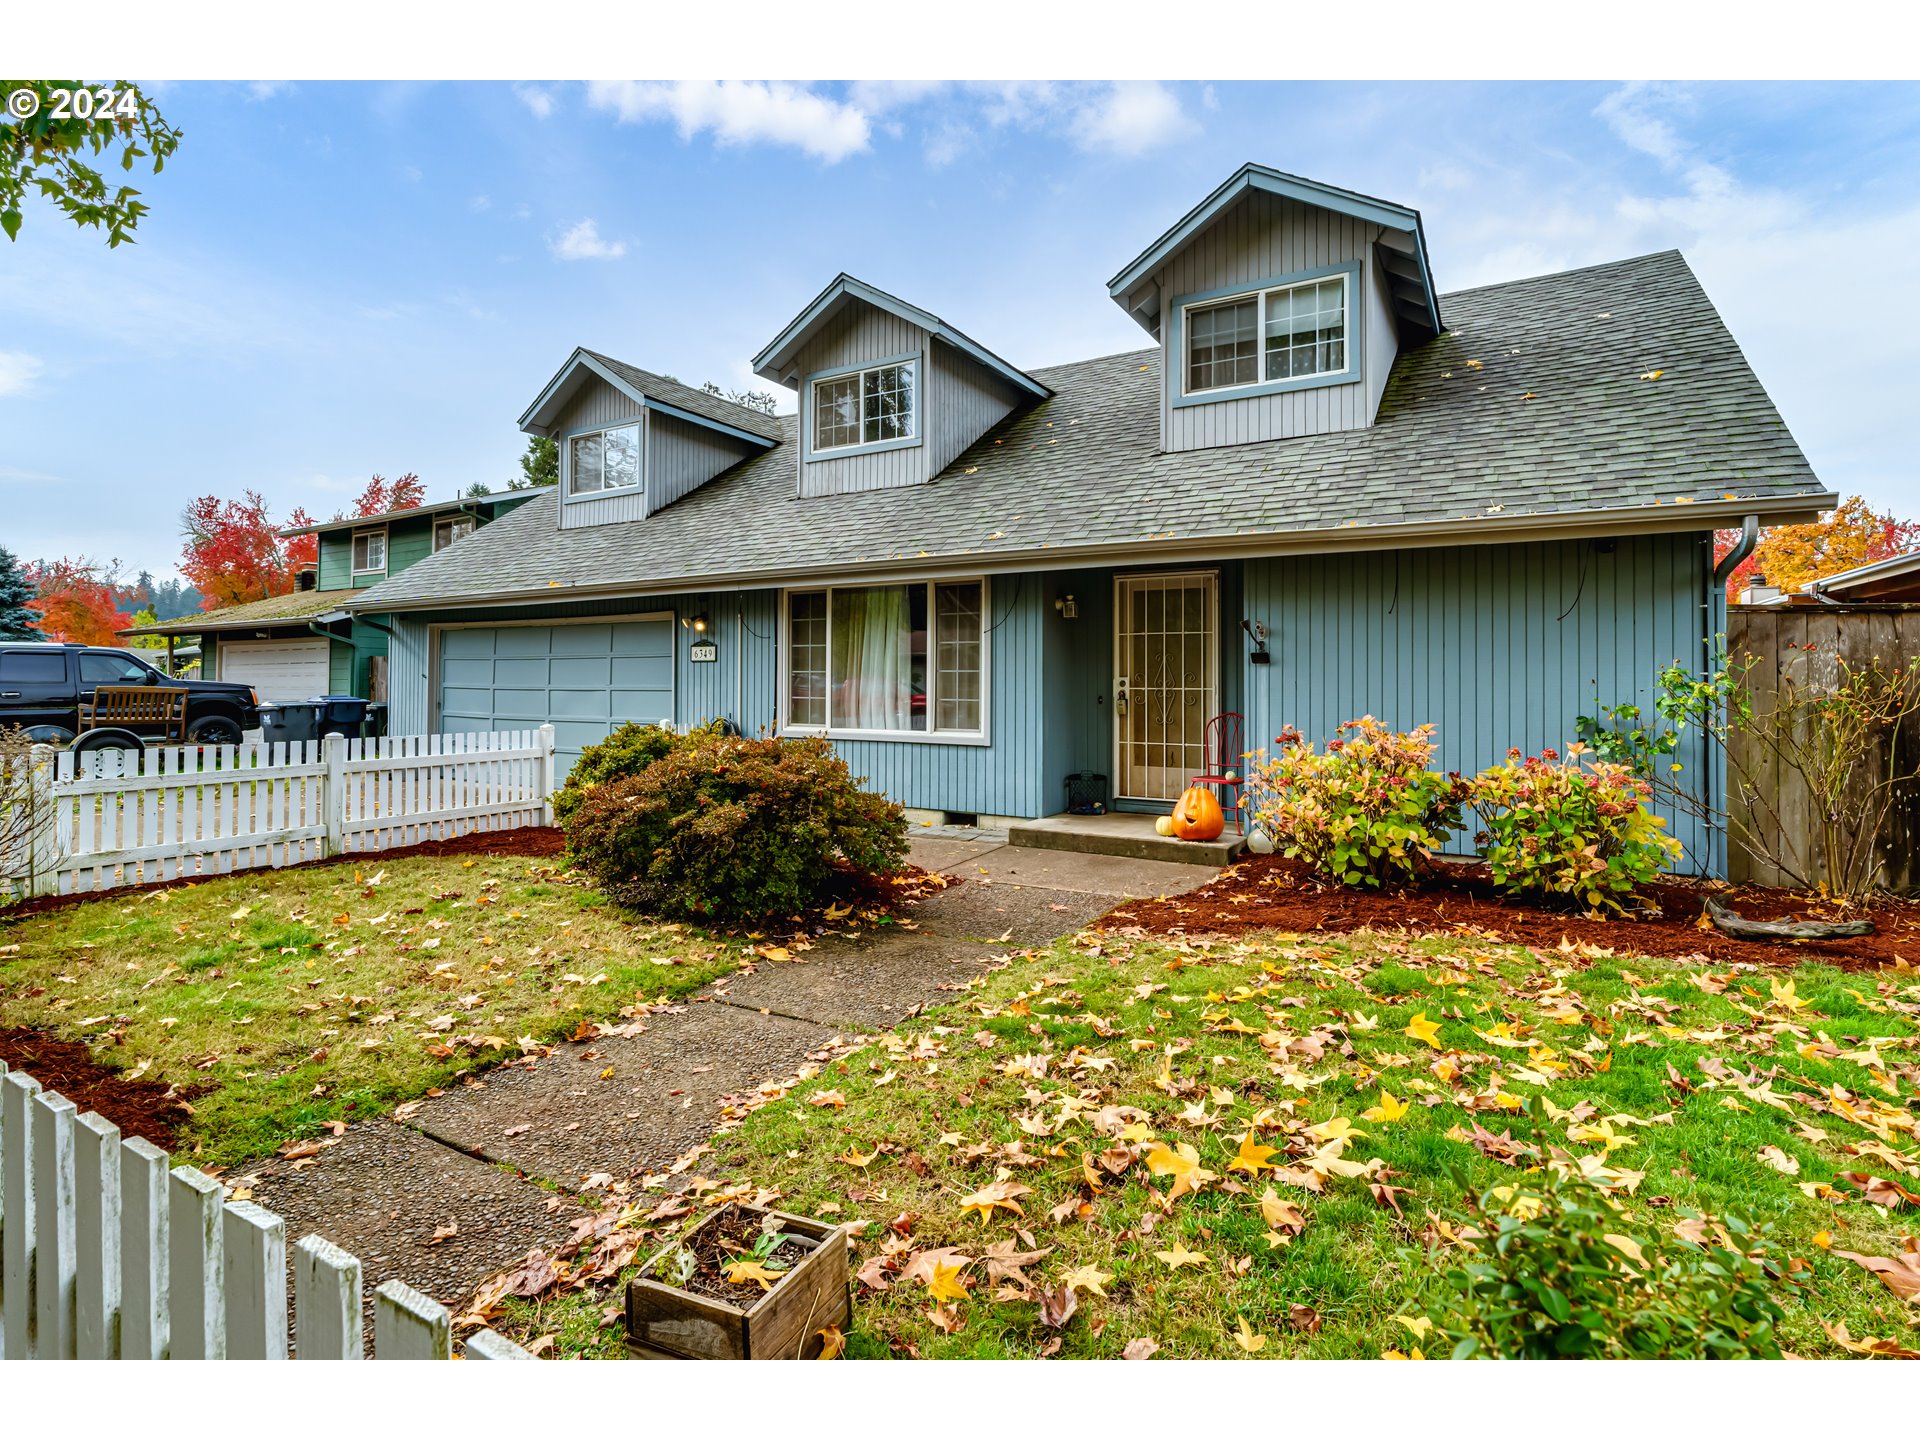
1270,893
151,1109
539,841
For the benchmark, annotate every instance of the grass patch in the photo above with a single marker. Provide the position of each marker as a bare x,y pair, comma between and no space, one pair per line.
288,998
1035,1079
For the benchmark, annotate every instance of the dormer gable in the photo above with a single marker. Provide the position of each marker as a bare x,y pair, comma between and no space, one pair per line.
1280,304
633,442
890,394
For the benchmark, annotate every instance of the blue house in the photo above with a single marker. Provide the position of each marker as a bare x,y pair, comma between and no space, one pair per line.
1323,489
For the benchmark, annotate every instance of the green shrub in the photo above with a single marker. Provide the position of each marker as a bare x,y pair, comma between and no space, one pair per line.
1570,827
1364,811
1556,1279
627,751
724,828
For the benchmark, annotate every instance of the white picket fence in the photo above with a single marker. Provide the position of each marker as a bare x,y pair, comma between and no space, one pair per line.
127,817
108,1253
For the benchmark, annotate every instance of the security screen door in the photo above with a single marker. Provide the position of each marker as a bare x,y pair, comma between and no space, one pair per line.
1166,680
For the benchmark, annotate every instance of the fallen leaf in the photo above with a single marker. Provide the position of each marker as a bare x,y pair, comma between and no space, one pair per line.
1140,1349
1900,1273
832,1343
1778,1159
1247,1340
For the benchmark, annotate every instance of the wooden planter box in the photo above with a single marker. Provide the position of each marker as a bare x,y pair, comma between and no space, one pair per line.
665,1322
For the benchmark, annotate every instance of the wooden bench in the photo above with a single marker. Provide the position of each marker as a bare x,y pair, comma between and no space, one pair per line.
144,706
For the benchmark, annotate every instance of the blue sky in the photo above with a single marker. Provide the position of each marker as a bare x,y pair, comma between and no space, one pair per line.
339,279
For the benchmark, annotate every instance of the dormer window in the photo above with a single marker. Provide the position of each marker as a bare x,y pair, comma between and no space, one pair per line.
603,460
866,407
1278,336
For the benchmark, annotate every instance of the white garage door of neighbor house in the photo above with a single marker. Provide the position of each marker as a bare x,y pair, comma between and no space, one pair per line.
277,669
587,679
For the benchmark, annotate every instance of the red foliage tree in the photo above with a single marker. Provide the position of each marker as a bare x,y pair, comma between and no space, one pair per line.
1791,556
78,601
234,552
409,492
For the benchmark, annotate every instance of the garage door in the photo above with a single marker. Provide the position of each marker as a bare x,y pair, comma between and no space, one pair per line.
278,669
586,679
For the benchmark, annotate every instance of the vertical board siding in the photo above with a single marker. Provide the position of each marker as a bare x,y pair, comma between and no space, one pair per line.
1497,646
964,400
1262,237
857,334
682,456
621,504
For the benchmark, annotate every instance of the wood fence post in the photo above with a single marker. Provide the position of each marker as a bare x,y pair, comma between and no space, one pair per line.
326,1302
17,1259
410,1326
53,1220
145,1324
254,1285
548,782
96,1184
488,1345
333,794
196,1314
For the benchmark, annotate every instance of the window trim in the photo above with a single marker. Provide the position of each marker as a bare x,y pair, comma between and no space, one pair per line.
982,736
912,358
1176,367
353,544
568,496
473,524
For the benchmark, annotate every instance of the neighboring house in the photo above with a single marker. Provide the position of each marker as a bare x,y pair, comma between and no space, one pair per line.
289,647
1893,581
1324,490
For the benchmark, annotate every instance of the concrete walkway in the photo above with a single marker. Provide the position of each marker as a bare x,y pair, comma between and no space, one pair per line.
623,1105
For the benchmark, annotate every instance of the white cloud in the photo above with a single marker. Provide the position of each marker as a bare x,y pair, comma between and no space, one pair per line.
741,112
267,89
539,101
582,242
18,371
479,203
1132,117
947,143
411,174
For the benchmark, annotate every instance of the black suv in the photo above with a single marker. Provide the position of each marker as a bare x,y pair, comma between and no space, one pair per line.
41,687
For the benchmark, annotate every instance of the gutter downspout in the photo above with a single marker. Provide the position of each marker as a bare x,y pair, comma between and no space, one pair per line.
1714,607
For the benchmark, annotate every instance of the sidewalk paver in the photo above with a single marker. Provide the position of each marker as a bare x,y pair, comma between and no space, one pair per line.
860,986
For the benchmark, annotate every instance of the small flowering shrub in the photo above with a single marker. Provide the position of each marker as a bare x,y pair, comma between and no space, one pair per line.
1573,827
1363,811
729,829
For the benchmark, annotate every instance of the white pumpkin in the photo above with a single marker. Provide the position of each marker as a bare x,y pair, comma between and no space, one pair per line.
1259,842
1164,826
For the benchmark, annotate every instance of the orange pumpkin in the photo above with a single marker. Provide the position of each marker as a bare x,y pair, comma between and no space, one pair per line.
1197,815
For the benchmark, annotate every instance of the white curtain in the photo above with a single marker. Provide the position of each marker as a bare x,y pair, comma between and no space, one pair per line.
873,659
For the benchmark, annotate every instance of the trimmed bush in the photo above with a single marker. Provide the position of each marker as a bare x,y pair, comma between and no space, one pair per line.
626,752
1573,827
725,828
1363,812
1557,1279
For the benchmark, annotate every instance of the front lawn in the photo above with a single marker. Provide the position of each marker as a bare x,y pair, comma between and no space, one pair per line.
1267,1145
283,999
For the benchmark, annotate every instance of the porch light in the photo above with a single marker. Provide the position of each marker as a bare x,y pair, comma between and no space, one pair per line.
1065,605
698,624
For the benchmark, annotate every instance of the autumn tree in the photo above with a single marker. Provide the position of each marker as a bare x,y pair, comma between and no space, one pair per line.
1792,555
78,601
409,492
234,551
18,619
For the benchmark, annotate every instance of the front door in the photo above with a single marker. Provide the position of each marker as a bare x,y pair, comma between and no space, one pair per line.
1166,680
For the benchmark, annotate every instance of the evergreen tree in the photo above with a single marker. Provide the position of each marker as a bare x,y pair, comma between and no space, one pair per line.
17,622
540,465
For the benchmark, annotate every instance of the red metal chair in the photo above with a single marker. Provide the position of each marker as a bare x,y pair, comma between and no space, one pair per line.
1226,753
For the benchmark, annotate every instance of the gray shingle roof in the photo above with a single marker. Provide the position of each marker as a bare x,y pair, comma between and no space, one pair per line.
1612,387
669,391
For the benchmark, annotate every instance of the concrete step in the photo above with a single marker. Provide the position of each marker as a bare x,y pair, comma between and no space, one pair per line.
1115,834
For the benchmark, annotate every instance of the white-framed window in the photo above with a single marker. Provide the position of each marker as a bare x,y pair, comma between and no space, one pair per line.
603,460
906,660
864,407
1287,332
370,551
454,527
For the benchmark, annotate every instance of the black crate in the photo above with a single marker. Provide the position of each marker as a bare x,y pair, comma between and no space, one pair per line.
1086,793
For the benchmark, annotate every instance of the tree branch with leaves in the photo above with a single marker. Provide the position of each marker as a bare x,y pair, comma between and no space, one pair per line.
49,149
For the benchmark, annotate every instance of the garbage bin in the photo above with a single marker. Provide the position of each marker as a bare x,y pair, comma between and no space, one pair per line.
346,714
290,720
377,718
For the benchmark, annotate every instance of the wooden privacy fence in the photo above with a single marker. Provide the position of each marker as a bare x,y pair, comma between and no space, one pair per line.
1805,643
127,817
108,1253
